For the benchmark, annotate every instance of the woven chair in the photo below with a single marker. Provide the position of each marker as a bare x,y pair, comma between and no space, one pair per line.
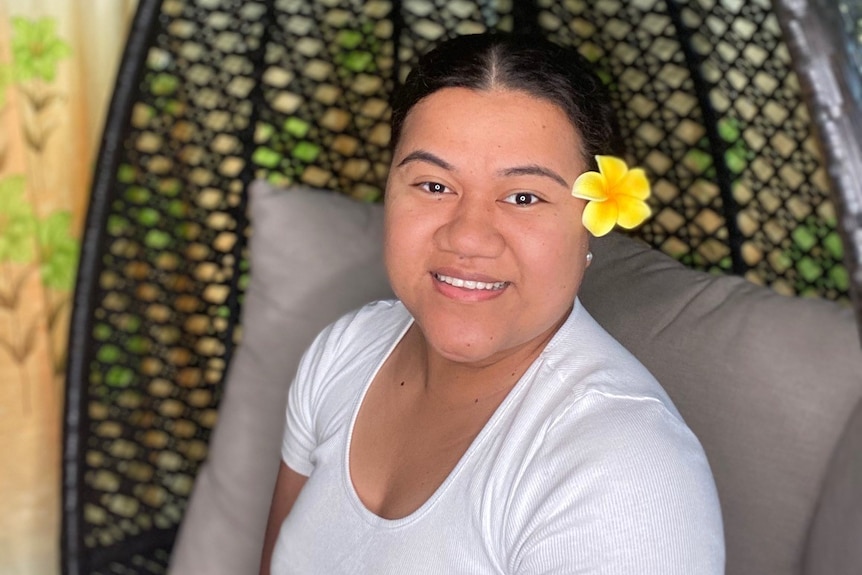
721,101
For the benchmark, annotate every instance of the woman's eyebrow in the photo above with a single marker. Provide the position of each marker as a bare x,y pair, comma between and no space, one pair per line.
534,170
528,170
424,156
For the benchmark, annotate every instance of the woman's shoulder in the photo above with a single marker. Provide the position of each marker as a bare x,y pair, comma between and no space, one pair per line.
627,468
605,442
584,359
343,357
367,325
593,405
378,313
352,343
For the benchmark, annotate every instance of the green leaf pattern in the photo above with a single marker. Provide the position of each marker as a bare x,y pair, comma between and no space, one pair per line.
36,49
24,238
20,229
58,251
17,222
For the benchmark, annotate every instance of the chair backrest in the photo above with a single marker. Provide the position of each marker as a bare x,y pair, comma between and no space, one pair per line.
212,93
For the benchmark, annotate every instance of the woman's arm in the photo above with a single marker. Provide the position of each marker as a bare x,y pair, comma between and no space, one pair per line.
287,487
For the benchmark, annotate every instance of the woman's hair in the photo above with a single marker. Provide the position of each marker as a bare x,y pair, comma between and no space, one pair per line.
527,64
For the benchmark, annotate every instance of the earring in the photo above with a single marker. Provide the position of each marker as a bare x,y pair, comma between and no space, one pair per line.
589,257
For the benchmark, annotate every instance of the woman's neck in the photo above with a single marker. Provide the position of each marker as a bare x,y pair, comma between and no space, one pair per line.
462,384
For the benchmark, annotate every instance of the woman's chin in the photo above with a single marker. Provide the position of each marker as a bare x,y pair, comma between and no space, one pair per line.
469,348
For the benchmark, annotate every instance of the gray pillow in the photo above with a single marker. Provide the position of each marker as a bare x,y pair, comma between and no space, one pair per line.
315,255
835,545
767,382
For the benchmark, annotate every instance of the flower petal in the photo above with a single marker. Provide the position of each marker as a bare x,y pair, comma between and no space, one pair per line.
634,184
590,186
600,217
632,211
612,168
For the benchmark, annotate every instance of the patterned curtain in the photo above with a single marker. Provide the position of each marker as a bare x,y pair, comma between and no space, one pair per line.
57,65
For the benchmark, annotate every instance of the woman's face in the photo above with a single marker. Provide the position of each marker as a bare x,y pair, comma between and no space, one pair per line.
483,240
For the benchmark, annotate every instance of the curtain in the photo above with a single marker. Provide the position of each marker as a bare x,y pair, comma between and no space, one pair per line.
58,60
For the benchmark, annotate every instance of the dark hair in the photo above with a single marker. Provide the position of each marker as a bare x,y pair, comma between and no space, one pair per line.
529,64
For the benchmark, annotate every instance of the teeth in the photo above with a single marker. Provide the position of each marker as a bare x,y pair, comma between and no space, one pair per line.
470,284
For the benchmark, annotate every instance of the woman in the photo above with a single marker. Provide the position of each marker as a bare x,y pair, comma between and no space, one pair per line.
484,423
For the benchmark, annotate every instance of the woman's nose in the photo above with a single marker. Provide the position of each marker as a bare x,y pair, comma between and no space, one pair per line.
471,230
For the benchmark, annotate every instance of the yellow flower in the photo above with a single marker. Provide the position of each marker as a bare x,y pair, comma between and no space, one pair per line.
615,195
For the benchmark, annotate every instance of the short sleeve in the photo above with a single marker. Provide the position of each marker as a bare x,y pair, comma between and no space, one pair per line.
618,485
299,437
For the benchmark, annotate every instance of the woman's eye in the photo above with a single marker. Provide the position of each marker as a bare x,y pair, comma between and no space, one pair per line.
522,199
433,187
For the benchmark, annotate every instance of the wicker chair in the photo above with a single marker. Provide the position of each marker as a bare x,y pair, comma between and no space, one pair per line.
719,101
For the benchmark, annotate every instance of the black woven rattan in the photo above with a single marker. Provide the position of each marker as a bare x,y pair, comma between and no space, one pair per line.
212,93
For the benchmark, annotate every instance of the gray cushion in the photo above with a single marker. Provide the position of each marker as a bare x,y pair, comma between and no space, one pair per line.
835,545
314,256
765,381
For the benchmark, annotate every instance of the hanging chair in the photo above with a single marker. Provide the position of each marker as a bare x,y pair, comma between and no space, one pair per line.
722,102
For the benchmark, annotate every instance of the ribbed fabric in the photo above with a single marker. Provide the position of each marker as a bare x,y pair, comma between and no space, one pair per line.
586,467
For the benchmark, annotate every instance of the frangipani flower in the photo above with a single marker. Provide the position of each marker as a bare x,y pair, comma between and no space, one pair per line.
615,195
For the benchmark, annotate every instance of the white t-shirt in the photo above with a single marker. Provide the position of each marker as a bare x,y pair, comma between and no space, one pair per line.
585,467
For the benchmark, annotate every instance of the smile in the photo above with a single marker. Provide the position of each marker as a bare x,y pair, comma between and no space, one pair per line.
470,284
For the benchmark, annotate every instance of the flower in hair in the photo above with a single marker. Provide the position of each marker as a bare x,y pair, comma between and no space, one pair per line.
615,195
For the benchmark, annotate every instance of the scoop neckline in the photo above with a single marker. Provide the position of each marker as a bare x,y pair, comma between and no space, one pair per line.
381,522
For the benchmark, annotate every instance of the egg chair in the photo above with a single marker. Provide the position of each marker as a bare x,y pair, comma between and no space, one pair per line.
747,117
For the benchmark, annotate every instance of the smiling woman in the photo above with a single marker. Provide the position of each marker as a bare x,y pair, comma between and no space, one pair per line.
490,425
